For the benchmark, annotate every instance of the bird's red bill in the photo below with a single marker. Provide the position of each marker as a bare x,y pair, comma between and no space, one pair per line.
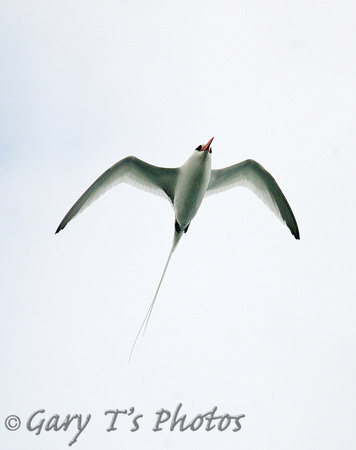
207,146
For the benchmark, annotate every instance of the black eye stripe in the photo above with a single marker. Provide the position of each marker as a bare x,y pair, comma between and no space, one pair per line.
199,148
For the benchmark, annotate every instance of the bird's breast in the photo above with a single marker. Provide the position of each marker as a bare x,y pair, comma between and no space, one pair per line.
192,184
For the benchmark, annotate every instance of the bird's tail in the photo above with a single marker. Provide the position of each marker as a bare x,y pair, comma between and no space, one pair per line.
176,239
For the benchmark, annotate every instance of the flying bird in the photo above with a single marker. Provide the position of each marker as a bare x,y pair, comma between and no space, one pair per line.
185,188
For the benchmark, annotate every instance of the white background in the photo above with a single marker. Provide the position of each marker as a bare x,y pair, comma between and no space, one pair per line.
248,319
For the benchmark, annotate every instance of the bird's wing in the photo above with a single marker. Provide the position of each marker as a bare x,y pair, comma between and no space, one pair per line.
253,176
157,180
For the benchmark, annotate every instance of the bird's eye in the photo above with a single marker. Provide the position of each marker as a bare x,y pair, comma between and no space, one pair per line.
199,148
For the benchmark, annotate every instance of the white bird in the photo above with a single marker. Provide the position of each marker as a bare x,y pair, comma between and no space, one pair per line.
185,188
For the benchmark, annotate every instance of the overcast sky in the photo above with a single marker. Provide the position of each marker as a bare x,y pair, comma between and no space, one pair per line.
248,319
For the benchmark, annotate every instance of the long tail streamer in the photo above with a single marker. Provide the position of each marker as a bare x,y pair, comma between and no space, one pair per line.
144,324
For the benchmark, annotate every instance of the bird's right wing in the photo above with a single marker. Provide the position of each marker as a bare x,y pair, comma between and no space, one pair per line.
252,175
156,180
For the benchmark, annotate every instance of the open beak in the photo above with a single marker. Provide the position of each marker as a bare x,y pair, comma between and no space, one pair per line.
207,146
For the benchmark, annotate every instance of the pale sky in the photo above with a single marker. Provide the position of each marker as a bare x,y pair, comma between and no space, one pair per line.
248,319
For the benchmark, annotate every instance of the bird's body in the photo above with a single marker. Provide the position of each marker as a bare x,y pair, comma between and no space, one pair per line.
185,188
192,183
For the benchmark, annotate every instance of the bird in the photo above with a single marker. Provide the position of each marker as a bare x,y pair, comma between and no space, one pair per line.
185,188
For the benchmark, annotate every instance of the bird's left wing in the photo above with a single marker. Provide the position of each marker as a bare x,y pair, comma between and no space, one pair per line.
253,176
156,180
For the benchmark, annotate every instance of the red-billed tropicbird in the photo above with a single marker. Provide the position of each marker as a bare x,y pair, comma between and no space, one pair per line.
185,188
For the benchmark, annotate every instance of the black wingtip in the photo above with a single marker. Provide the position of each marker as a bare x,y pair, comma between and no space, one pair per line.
58,229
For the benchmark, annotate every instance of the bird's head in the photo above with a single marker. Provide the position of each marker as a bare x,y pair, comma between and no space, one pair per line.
206,147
